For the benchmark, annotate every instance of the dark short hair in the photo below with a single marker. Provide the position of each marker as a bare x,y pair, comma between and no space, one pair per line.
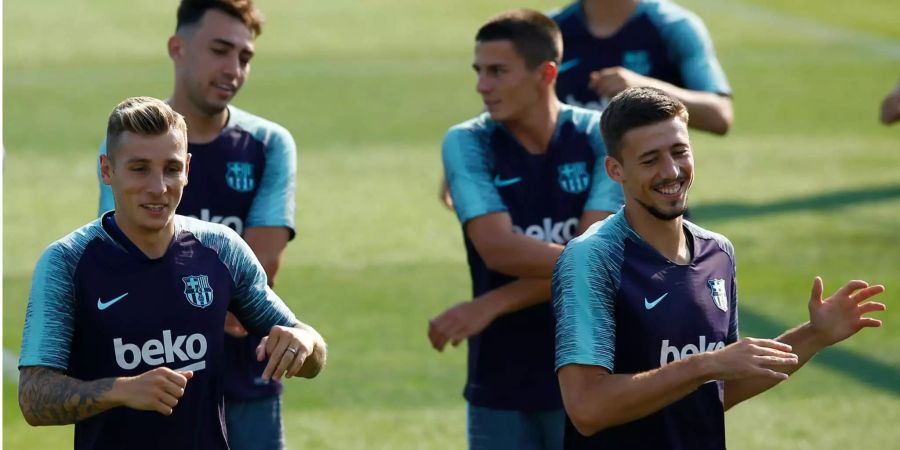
191,12
636,107
535,36
146,116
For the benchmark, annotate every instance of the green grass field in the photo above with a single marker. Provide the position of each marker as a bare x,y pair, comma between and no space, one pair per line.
805,184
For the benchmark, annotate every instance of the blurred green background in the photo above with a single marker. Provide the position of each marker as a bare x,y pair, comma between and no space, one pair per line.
805,184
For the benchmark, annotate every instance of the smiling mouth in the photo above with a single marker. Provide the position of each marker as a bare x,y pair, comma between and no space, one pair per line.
154,207
670,188
225,87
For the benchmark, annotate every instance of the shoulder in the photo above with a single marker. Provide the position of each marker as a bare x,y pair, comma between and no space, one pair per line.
723,242
64,253
475,133
561,15
263,130
602,243
667,15
585,120
214,236
476,128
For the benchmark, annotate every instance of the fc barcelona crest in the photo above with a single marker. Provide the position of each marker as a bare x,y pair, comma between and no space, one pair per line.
637,61
574,177
197,290
717,290
239,176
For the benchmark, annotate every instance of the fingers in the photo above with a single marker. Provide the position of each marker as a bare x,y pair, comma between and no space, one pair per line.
261,349
275,348
867,293
866,308
297,363
437,337
851,287
770,344
772,374
868,322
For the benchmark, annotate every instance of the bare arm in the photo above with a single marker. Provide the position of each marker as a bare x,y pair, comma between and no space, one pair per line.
516,254
595,399
508,252
268,244
831,320
708,111
49,397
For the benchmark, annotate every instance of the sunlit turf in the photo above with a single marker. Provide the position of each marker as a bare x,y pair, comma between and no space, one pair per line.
804,185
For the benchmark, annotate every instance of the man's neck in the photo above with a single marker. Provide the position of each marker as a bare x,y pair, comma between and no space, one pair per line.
201,126
536,128
666,236
606,17
153,244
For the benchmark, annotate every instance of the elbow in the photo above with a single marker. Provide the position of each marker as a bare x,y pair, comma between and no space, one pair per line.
587,422
724,118
30,418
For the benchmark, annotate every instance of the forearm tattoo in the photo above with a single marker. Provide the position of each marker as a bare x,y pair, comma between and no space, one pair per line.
48,397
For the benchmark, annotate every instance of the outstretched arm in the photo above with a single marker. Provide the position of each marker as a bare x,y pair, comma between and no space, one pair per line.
595,399
49,397
830,321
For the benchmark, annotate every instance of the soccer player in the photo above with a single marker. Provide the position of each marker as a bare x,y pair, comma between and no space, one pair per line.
526,176
123,330
890,107
615,44
243,176
647,347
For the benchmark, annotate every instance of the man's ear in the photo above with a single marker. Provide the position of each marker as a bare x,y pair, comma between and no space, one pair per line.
549,71
105,168
176,47
613,169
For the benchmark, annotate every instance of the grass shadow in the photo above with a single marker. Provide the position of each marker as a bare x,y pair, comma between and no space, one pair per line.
721,211
862,368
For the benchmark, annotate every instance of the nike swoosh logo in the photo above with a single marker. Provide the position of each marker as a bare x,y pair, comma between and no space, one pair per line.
508,182
569,64
101,305
651,305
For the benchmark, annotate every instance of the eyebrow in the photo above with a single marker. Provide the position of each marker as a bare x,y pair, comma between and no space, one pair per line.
232,45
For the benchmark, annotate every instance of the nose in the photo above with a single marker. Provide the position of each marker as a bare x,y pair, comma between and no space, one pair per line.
156,184
484,85
669,169
232,66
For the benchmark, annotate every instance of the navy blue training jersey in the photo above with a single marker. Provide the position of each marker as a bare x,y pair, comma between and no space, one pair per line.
660,40
621,305
244,178
100,308
488,170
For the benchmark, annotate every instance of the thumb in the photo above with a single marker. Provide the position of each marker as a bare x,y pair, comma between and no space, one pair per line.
815,297
188,375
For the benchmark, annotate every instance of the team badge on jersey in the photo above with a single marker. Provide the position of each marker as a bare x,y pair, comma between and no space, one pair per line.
239,176
717,290
637,61
197,290
574,177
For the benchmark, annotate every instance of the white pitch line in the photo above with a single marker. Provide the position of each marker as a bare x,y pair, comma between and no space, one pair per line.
873,43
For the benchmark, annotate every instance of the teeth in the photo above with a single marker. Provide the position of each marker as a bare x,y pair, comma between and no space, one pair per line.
669,189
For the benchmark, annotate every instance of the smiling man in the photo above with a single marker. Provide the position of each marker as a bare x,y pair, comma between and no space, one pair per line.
526,176
123,330
647,347
243,176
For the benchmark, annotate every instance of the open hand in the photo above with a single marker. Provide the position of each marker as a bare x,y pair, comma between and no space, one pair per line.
843,313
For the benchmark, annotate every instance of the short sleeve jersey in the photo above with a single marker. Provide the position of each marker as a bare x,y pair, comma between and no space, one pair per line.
621,305
244,178
488,170
100,308
660,40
